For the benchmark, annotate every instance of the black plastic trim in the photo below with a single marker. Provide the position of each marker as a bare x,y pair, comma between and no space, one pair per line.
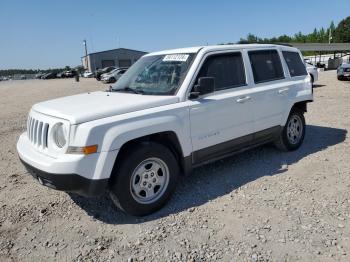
69,182
234,146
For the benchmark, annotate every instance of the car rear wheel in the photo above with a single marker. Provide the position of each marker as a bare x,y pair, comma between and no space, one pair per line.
292,135
112,80
144,179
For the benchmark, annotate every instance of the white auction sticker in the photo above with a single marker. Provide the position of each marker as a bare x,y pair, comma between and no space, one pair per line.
176,57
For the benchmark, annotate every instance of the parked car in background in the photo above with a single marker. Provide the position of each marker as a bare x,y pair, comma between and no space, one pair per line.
22,77
50,75
60,75
170,112
70,73
312,71
39,75
88,74
99,72
343,71
113,76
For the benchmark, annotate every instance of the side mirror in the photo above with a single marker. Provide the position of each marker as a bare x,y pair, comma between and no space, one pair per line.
205,85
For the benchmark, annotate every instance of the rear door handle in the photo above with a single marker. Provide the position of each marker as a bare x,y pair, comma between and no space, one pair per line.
283,90
243,99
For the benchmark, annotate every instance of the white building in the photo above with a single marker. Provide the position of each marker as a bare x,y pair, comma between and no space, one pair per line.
120,57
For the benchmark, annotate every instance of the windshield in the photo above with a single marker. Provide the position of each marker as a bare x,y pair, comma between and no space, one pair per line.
155,75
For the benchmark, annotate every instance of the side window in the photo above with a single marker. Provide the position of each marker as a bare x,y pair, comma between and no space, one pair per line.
266,65
227,69
295,65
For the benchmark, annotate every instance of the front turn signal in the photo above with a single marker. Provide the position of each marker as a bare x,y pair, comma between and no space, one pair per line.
85,150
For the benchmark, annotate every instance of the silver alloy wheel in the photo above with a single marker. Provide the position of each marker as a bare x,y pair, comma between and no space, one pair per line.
294,129
149,180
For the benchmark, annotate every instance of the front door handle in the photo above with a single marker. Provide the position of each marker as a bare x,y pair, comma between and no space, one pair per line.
283,90
243,99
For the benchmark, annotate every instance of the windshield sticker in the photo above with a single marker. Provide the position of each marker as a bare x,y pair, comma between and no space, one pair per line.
176,57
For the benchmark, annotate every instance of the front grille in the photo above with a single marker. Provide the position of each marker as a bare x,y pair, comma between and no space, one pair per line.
37,132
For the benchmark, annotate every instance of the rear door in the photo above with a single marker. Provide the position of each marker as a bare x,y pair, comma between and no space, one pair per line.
270,91
223,120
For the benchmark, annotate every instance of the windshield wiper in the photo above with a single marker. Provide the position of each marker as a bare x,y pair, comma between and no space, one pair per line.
129,89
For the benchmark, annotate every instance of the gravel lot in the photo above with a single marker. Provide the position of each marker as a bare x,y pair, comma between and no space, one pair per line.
262,205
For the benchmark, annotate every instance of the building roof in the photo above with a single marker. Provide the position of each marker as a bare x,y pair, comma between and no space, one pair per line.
301,46
116,49
332,47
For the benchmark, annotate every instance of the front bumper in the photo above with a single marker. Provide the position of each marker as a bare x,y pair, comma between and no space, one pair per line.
68,182
106,80
85,175
345,75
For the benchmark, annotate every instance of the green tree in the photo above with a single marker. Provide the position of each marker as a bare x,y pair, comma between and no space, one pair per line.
342,31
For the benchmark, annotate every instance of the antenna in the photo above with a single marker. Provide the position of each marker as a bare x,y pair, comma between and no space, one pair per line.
118,41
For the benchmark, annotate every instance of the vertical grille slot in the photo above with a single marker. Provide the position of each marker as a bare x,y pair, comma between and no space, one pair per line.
37,132
40,134
32,130
28,126
45,134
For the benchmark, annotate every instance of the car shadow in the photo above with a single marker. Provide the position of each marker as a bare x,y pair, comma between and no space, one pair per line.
220,178
317,85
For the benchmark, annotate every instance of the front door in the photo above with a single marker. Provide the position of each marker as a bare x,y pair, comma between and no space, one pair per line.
222,121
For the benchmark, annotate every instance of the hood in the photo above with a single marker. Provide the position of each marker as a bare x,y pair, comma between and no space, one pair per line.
91,106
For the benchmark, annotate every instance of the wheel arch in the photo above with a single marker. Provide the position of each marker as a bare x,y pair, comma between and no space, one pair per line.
299,105
302,106
312,77
168,139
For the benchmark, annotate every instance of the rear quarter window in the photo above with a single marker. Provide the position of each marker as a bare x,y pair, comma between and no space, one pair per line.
266,65
295,65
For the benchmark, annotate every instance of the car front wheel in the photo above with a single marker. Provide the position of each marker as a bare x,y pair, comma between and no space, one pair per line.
144,178
292,135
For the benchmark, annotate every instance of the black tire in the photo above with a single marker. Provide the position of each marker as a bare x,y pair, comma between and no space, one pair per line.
121,191
284,141
112,80
340,78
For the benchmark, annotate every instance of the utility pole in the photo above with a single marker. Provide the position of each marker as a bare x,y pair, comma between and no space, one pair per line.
86,55
84,42
330,36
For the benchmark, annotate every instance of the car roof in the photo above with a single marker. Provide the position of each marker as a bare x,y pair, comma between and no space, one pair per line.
218,48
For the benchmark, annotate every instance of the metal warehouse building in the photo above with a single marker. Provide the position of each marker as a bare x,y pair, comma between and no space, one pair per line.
120,57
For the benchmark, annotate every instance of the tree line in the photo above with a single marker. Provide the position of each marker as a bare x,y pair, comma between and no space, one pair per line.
11,72
339,34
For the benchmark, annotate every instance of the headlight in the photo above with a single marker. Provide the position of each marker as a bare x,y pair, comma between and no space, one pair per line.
60,135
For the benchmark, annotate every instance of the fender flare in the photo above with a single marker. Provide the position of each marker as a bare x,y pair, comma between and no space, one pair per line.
120,134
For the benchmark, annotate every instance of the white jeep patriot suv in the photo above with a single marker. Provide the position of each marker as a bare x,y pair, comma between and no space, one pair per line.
170,112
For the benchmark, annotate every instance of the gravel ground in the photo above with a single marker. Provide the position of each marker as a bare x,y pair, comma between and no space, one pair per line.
261,205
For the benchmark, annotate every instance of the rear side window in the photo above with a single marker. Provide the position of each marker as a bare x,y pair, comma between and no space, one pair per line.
266,65
295,64
227,69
